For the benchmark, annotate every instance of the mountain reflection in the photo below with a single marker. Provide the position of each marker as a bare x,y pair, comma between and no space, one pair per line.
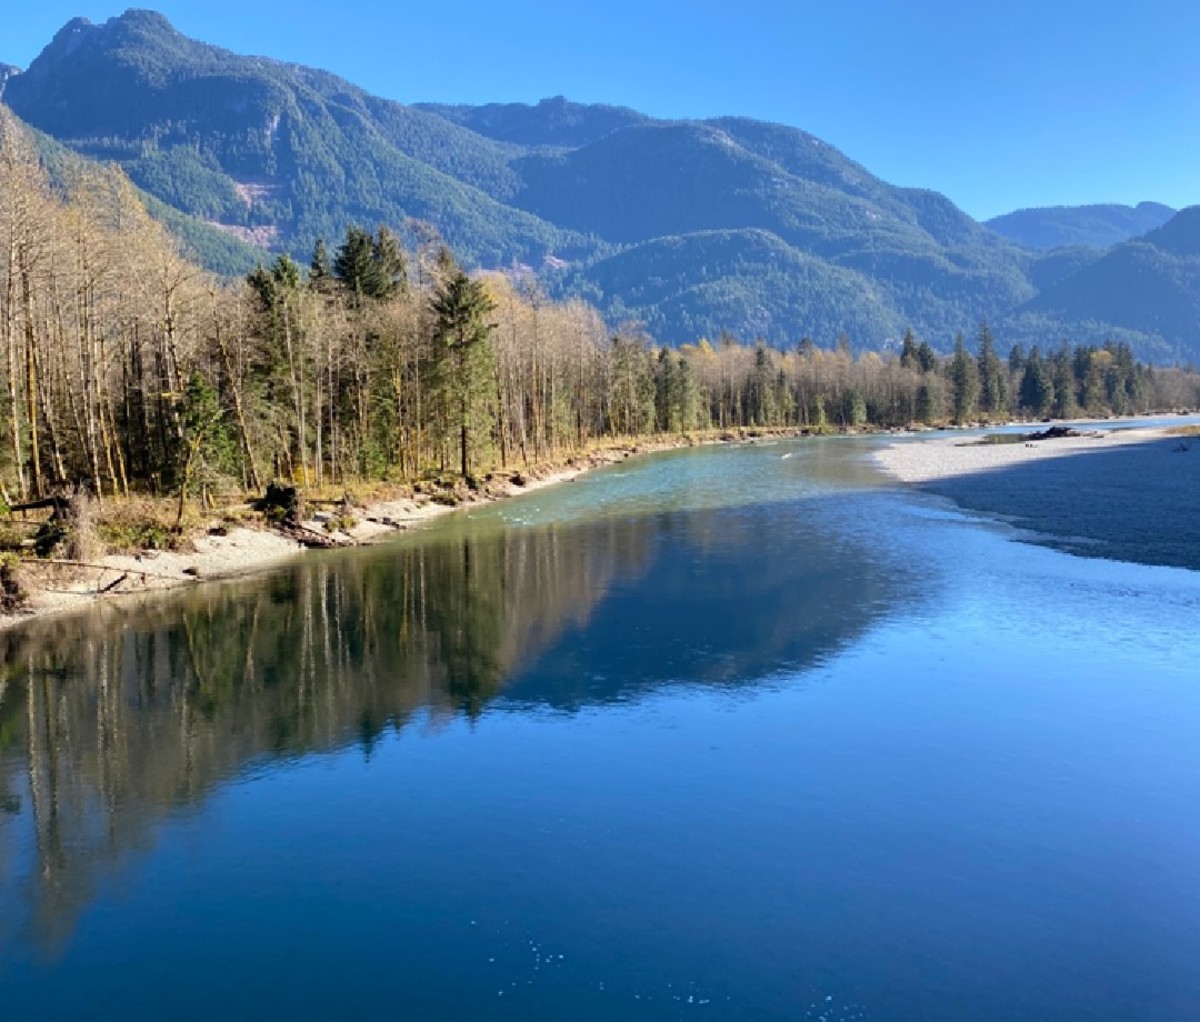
110,720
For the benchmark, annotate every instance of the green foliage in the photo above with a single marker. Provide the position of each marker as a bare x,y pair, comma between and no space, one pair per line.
964,382
993,380
371,267
461,362
1037,385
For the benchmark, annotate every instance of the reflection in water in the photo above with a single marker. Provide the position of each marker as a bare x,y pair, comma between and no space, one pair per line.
108,721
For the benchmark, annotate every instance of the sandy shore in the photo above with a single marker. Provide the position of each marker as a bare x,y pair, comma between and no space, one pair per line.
226,552
1127,494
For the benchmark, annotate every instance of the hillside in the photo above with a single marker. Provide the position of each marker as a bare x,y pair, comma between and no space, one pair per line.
1099,226
689,227
1146,290
554,122
274,152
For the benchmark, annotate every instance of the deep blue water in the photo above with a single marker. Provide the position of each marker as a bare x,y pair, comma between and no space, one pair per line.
733,733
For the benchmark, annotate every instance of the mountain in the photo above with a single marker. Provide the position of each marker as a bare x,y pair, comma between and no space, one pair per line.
688,226
552,122
1146,290
275,153
1098,226
201,242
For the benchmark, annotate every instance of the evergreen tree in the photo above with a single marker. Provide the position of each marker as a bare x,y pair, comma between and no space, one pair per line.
993,387
926,358
964,382
1062,373
909,357
356,267
320,269
391,266
463,362
926,408
1037,387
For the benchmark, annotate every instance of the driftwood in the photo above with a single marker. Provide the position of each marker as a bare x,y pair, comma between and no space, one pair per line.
58,502
101,590
1054,433
66,563
309,537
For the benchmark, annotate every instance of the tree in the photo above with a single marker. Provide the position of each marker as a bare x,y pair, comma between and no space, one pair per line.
909,357
320,270
993,386
463,368
964,382
1037,387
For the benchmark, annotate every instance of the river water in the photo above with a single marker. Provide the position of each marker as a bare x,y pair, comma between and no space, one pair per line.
729,733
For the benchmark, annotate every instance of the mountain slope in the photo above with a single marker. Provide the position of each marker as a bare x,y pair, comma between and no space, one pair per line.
749,277
219,251
1099,226
255,144
1147,288
554,122
691,227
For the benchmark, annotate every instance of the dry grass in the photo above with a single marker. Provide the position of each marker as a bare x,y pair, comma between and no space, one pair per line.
135,524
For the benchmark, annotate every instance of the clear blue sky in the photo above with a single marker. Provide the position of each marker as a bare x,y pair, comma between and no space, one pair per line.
999,106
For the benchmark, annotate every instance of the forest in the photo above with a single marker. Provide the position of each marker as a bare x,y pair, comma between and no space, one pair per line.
129,370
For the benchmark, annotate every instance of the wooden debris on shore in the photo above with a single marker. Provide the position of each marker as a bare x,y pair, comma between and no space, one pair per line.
69,528
286,509
282,504
13,594
1055,433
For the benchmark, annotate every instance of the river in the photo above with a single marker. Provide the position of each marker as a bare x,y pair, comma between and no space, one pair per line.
742,732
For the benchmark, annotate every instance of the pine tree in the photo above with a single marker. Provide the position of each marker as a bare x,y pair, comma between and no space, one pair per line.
909,355
964,382
320,270
356,267
993,386
1037,387
463,362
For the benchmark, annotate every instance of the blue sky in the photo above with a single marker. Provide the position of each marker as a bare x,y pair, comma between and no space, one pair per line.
999,106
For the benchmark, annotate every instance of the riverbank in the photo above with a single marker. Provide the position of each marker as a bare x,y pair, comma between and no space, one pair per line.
217,548
1125,494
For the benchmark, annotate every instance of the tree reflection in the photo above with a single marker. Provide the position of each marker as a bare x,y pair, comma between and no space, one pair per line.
111,720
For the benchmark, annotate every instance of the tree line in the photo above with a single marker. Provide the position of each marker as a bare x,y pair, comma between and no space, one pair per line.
126,368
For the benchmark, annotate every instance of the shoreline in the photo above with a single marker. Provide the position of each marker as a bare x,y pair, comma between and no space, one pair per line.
1128,494
223,552
934,459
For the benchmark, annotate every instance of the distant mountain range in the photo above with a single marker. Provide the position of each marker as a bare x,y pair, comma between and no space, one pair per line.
689,227
1094,226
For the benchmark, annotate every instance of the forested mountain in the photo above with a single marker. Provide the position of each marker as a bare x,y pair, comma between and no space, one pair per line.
279,154
1146,290
689,227
1100,226
552,122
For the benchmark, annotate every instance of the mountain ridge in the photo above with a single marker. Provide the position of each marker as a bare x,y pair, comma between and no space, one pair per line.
1097,225
725,223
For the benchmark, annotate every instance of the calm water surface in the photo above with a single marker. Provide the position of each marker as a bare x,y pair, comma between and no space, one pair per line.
735,733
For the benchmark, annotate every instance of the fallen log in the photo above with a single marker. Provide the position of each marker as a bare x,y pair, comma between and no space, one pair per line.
65,562
57,502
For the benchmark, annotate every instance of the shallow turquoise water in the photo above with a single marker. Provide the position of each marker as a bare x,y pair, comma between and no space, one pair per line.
727,733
